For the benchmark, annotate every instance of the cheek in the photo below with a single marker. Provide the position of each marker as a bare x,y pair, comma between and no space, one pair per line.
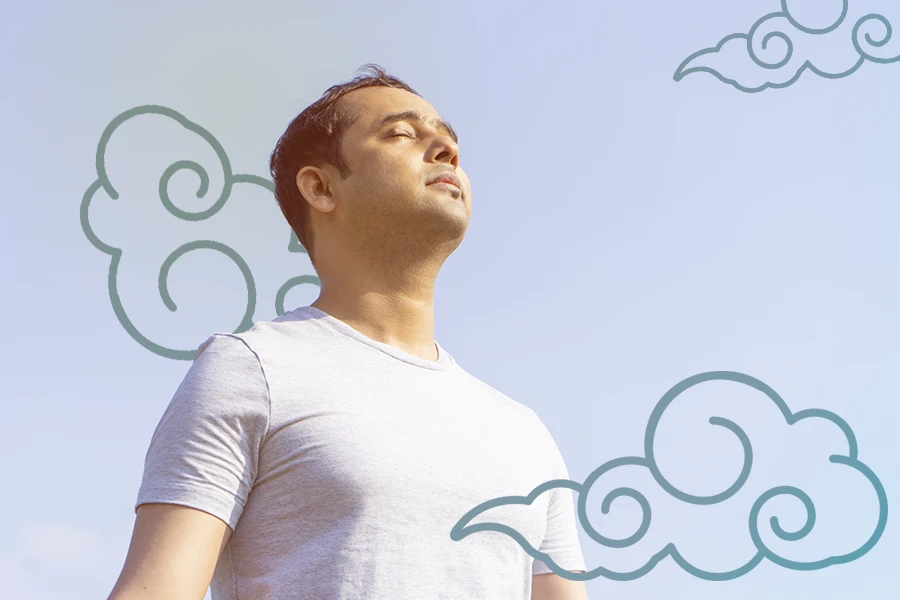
393,172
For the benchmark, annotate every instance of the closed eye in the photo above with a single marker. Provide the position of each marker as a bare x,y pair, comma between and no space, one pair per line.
401,134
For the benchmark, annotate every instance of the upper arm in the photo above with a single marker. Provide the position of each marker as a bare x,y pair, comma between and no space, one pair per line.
551,586
173,553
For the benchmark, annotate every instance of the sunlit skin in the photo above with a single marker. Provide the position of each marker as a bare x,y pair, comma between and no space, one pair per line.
382,235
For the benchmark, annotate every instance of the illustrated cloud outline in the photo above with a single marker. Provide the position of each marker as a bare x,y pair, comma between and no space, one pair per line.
230,179
684,69
461,529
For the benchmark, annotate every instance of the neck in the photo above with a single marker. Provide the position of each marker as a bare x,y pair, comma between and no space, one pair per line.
387,305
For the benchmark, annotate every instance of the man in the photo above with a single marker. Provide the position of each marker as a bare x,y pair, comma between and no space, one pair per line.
327,454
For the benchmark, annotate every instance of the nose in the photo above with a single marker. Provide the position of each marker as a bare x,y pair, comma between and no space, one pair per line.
446,150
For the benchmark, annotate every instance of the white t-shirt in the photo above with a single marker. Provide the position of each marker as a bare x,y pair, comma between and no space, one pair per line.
342,464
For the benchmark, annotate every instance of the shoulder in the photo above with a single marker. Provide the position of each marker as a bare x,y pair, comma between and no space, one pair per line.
224,346
251,341
530,418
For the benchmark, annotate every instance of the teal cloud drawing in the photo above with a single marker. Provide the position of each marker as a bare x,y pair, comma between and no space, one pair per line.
766,491
830,38
120,165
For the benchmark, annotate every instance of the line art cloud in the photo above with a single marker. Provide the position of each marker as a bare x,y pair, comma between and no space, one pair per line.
829,38
756,549
104,185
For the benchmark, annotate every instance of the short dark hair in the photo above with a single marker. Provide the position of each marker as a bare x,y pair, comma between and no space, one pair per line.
314,138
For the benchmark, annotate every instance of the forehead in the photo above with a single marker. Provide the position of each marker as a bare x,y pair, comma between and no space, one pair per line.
374,103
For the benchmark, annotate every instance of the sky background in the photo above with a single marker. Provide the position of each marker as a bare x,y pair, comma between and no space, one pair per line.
628,231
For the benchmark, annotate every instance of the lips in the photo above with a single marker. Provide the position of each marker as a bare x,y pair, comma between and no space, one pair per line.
447,178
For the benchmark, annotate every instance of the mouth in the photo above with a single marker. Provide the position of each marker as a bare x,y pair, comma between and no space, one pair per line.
450,189
446,183
447,178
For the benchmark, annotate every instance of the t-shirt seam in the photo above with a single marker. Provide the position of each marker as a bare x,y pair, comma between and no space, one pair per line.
233,574
268,400
545,449
163,493
557,474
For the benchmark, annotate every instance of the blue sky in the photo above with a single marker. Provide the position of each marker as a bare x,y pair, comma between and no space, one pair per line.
628,231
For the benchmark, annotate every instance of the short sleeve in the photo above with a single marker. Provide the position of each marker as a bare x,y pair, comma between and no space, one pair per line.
560,541
204,452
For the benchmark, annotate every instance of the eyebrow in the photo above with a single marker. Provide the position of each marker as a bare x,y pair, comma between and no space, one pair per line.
414,115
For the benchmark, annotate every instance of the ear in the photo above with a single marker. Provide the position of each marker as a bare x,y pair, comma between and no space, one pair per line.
315,185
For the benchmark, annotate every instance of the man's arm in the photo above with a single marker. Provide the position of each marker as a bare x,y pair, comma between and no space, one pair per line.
173,553
199,469
551,586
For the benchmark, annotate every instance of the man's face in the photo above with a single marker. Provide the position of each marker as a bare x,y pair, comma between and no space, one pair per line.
388,202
